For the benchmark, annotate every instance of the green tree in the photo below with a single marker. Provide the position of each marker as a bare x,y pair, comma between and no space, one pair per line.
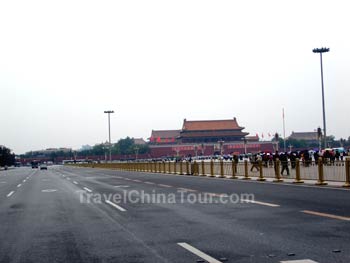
6,156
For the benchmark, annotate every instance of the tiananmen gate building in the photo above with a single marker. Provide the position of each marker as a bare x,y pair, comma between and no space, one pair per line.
205,137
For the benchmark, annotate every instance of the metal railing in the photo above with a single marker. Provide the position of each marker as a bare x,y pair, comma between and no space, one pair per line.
320,171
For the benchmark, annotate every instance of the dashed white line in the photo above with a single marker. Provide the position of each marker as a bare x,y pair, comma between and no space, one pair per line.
259,203
149,183
121,186
24,181
75,182
165,185
87,189
137,181
10,193
186,189
299,261
19,185
116,206
326,215
199,253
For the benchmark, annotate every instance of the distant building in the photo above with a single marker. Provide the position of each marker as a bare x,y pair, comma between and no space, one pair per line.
211,131
205,137
139,141
304,136
164,136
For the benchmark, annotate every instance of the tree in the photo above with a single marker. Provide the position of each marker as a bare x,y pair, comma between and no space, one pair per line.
6,157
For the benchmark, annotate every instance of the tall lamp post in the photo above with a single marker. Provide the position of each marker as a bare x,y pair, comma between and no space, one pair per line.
109,133
322,50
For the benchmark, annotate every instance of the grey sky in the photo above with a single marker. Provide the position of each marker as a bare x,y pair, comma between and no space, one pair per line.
62,63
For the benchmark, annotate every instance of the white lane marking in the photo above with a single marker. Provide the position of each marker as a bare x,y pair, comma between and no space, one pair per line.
2,182
187,189
137,181
49,190
165,185
63,175
87,189
127,179
259,203
122,186
19,185
299,261
24,181
68,178
326,215
10,193
75,182
149,183
116,206
199,253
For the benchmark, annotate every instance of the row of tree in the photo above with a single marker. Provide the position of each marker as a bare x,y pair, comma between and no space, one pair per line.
125,146
298,144
7,158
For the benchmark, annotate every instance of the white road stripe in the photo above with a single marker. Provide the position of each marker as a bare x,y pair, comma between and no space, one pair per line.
87,189
259,203
68,178
299,261
137,181
149,183
199,253
74,182
19,185
10,193
24,180
187,189
121,186
165,185
116,206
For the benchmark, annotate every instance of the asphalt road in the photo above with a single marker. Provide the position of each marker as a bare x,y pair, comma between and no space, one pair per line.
68,214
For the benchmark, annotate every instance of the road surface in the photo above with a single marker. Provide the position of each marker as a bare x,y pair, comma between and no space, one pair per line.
68,214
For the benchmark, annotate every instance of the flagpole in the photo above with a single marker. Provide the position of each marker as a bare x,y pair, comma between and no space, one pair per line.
284,131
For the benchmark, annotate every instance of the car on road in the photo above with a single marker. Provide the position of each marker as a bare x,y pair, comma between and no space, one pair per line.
43,166
35,165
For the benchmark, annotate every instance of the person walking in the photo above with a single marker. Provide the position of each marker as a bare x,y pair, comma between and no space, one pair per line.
284,163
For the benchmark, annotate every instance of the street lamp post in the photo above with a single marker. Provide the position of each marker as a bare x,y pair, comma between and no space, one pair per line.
245,145
109,133
322,50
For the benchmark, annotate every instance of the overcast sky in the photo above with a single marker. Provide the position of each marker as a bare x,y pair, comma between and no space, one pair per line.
62,63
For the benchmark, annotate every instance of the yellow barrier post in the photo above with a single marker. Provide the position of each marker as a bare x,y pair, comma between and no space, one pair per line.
347,173
320,173
297,173
277,172
246,176
261,172
203,169
181,170
175,167
187,168
211,169
195,168
164,169
221,169
233,167
169,168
